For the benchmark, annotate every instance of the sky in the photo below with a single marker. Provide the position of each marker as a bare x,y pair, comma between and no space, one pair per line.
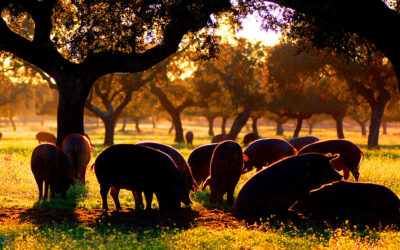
252,31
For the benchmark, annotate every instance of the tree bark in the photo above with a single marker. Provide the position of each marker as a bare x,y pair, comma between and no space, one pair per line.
239,122
176,118
171,128
375,124
223,124
254,125
298,127
363,126
339,126
310,128
109,125
153,121
279,128
210,125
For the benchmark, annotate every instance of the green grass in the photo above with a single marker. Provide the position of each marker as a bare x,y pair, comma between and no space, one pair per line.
78,222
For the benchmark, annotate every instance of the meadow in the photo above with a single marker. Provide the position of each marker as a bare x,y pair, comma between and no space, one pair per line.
78,222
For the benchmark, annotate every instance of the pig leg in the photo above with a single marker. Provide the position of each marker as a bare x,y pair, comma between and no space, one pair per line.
138,199
114,195
82,174
40,186
46,190
149,198
229,195
346,173
104,191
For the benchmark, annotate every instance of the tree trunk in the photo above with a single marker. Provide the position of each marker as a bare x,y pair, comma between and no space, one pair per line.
339,126
363,125
123,125
109,125
384,127
254,125
176,118
12,123
70,112
223,124
279,128
137,120
42,121
210,125
97,122
310,128
153,121
171,128
375,124
298,127
239,122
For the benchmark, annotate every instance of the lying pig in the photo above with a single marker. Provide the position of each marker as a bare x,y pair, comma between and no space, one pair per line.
276,188
140,169
351,200
50,165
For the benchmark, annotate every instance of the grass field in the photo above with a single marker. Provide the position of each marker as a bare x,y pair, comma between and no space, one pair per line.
79,222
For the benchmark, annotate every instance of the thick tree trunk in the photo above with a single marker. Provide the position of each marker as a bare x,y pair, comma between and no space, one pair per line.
70,112
339,126
375,124
239,122
137,120
210,125
176,118
223,124
109,125
298,127
254,125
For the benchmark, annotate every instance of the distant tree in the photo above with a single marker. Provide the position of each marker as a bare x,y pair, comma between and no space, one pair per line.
360,112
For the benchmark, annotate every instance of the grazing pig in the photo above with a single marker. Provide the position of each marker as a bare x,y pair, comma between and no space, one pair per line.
351,200
250,137
178,159
350,157
140,169
199,162
225,169
300,142
50,165
46,137
219,138
266,151
189,138
77,147
276,188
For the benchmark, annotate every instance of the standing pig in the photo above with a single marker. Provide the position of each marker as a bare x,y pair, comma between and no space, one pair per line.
77,147
266,151
276,188
199,162
46,137
189,138
351,200
50,165
300,142
250,137
350,157
178,159
140,169
225,169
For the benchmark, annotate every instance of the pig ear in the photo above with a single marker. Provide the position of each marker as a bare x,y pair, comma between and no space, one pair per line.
332,157
245,158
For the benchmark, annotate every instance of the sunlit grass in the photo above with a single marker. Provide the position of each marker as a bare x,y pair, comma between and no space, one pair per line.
18,190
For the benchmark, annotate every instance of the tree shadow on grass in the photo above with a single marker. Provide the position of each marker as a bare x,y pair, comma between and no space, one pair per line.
204,199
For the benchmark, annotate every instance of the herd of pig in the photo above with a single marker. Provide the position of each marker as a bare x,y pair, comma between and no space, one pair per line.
300,175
